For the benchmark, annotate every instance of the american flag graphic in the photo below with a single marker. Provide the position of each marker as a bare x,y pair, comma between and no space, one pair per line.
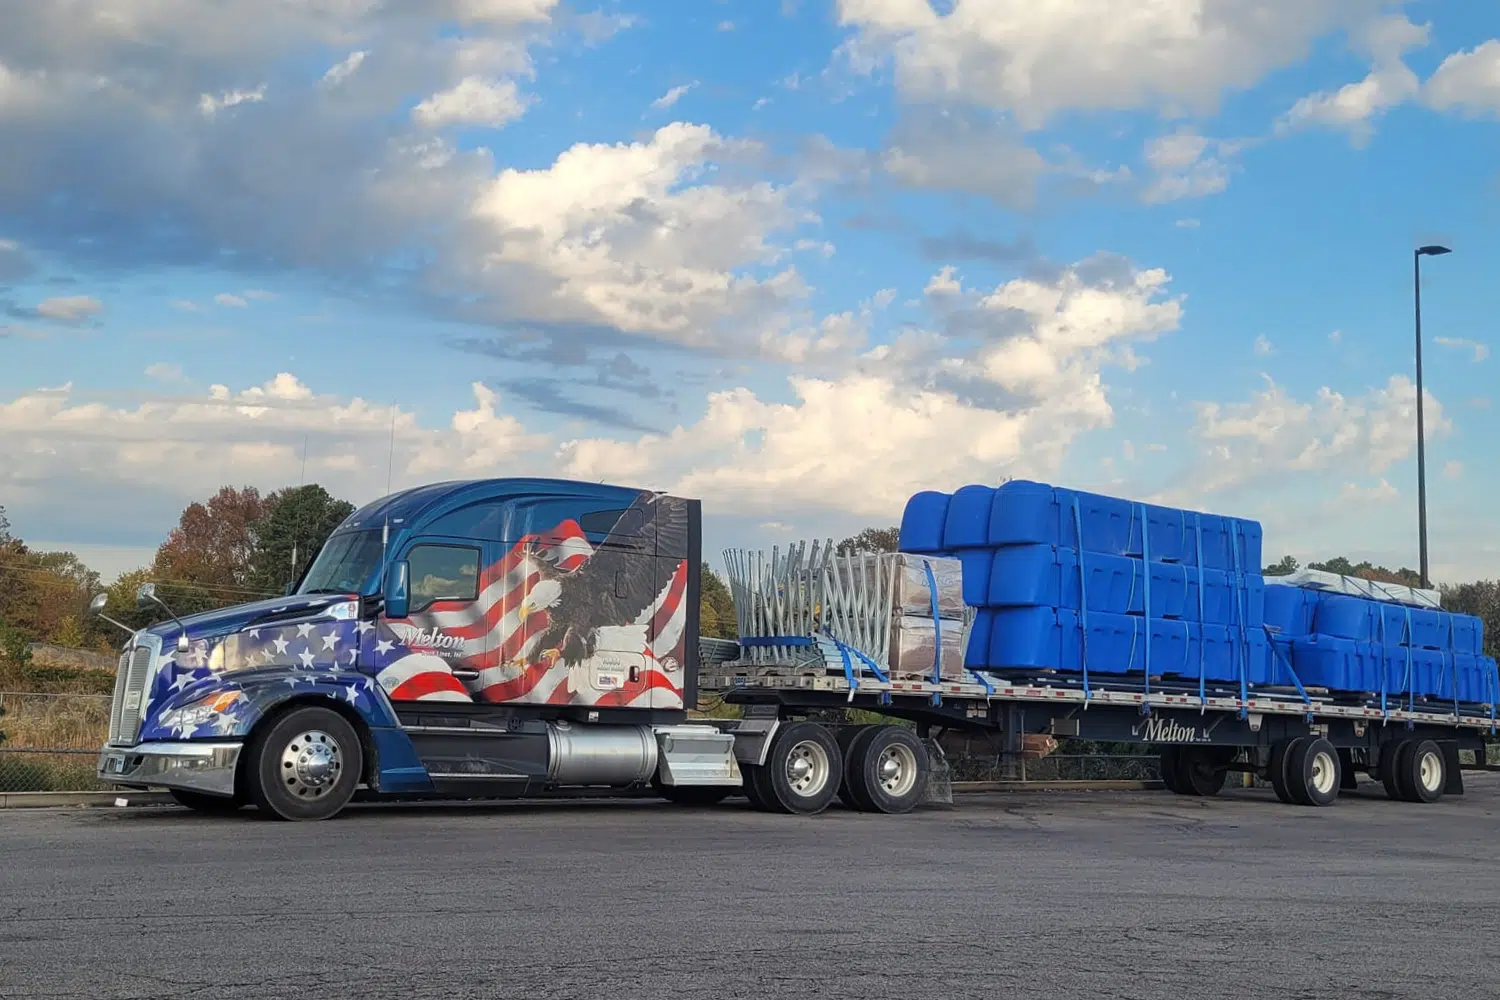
637,664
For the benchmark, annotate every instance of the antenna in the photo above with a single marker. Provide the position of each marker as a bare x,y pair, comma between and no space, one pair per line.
390,460
303,480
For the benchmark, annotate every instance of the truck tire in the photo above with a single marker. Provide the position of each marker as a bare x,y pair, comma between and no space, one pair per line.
1312,772
305,765
803,770
848,737
1200,771
1422,772
204,803
888,772
1390,752
1276,770
1171,757
754,776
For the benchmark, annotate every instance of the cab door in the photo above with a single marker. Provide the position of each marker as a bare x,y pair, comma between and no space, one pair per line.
439,650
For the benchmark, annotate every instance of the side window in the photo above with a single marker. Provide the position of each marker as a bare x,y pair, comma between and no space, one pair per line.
442,573
597,524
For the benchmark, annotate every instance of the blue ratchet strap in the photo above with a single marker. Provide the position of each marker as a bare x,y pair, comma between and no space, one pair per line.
1385,670
1202,625
1239,612
777,640
937,623
1450,665
1083,602
1411,688
1146,597
849,654
1290,671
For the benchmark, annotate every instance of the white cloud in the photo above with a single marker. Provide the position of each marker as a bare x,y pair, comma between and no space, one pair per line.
1478,350
1263,346
70,308
1185,164
210,105
186,305
1036,60
473,101
1336,336
1355,106
231,300
344,69
672,96
947,153
1275,435
1467,81
1187,223
1354,495
167,371
726,25
1453,469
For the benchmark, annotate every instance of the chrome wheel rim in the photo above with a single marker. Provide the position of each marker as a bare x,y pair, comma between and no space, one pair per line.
310,764
1324,772
807,768
896,770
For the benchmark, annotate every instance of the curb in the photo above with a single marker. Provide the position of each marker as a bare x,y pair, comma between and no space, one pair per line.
55,800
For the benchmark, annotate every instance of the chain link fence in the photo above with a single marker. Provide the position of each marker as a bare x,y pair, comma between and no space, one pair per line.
50,742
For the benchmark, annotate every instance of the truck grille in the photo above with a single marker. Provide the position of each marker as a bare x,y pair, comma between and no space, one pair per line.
131,684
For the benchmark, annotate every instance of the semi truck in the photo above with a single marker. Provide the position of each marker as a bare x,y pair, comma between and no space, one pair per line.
506,638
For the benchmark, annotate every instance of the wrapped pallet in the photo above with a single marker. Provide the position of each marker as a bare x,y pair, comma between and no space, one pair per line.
914,645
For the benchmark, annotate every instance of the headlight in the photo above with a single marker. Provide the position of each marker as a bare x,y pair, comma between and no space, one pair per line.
203,710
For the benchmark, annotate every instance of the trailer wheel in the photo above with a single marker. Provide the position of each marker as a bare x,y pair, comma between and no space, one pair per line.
1170,759
888,771
851,739
803,769
1390,774
305,765
1200,771
1281,750
1421,771
1312,772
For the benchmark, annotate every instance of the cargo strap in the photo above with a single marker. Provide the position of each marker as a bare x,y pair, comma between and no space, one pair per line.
1083,602
1450,664
937,624
848,654
1202,625
1287,660
1240,614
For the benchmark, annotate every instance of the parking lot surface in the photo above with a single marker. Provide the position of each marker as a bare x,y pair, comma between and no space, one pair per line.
1063,895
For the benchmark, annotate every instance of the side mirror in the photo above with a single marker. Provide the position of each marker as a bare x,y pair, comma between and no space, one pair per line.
145,596
98,604
397,590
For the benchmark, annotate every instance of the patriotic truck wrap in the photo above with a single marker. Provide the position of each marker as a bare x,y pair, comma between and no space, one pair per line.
520,637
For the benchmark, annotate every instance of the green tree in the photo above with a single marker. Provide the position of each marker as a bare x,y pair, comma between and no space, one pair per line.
715,607
871,540
1482,600
1285,567
286,540
1368,571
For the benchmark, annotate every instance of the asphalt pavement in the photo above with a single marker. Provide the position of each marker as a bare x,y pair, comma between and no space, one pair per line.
1056,895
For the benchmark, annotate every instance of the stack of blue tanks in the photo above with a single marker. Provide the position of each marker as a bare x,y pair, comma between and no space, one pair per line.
1368,647
1073,582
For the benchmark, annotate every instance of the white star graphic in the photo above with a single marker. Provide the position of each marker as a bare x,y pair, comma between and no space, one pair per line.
353,656
255,633
306,657
363,627
384,646
280,645
303,630
182,681
293,681
330,640
350,696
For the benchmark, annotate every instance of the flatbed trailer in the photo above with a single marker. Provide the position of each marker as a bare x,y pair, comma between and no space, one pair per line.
1308,747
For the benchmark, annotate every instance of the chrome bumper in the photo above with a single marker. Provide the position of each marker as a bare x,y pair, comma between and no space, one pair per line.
195,767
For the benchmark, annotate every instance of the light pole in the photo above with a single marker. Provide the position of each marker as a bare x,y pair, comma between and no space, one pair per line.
1416,264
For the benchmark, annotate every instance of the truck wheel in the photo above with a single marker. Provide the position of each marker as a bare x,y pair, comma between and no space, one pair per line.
1428,772
305,765
803,769
1171,757
889,771
1281,750
1199,771
851,738
201,802
1422,772
1312,771
1390,751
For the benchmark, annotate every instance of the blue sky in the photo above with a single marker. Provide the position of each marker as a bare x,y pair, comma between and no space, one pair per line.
798,259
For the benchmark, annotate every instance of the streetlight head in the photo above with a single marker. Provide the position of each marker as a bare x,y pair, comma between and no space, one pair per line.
1433,251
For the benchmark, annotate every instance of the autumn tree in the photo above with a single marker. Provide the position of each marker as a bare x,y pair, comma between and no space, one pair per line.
297,523
214,542
715,607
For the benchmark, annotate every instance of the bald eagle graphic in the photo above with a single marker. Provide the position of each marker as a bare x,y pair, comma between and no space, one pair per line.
617,584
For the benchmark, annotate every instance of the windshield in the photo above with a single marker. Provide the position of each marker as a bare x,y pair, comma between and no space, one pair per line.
347,564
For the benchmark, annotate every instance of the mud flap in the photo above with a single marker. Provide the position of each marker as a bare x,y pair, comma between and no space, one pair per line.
939,791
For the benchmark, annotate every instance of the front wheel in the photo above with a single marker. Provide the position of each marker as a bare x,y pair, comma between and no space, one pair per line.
305,765
205,803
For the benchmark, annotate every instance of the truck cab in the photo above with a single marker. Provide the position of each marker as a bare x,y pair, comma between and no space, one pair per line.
488,638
